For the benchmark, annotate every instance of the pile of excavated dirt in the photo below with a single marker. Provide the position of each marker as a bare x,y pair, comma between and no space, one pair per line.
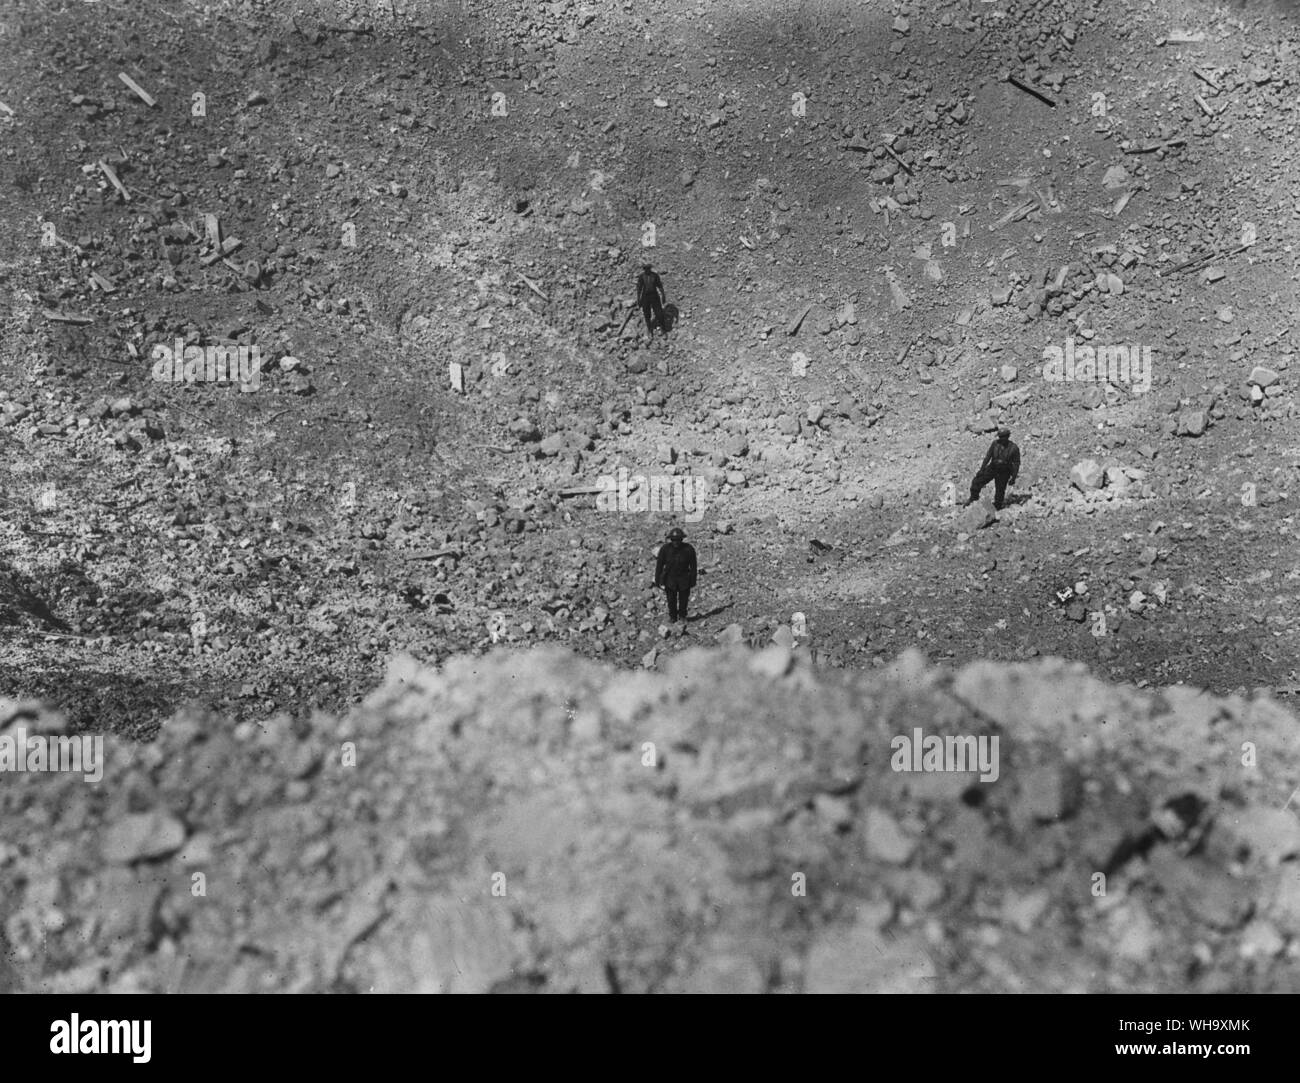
537,821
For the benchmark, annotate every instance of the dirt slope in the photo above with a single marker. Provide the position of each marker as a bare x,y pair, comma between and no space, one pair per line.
270,550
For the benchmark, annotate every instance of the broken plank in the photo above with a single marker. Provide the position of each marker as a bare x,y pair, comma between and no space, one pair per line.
66,317
1155,147
907,349
226,248
793,327
533,286
137,88
1204,258
1016,213
1189,264
893,154
432,554
107,170
1031,90
583,490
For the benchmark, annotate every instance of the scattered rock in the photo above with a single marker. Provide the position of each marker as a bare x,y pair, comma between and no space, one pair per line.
1193,422
1268,835
1011,398
1022,911
774,661
1048,793
143,836
1086,475
1115,177
525,430
977,516
1262,377
885,840
861,959
731,634
1260,940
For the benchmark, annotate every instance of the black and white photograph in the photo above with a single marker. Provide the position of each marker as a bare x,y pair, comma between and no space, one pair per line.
677,497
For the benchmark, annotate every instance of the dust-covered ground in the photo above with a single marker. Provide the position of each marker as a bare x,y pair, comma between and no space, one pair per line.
416,226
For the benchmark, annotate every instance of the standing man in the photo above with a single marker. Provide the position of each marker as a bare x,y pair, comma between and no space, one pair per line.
1001,466
650,296
675,573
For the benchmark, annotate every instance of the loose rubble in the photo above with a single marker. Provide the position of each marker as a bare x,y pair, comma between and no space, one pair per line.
772,845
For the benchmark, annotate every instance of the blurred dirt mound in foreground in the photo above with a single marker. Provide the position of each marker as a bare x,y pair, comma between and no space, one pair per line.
535,821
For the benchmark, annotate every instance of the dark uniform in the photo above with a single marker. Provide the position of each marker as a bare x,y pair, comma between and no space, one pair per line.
675,573
650,296
1001,466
